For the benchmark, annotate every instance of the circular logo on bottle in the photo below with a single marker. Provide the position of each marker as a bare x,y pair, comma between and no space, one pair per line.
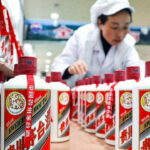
99,98
145,101
90,97
126,100
64,98
15,103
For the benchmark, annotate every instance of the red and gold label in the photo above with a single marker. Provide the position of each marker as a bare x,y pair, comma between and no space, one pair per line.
144,119
90,110
15,113
100,112
110,114
81,97
63,114
110,129
74,105
83,108
125,119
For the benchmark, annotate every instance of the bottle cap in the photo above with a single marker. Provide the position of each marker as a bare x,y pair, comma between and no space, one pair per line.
27,65
28,60
133,72
48,79
120,75
96,79
56,76
87,81
77,83
82,82
109,78
90,80
147,69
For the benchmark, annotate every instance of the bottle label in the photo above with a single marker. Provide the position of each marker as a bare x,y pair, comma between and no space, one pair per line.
100,112
125,119
90,110
81,97
110,114
144,119
63,114
82,107
14,119
29,110
74,105
110,129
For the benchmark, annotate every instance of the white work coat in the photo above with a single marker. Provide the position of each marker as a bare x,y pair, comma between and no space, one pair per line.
85,44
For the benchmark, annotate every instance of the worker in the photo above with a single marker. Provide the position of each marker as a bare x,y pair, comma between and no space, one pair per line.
102,46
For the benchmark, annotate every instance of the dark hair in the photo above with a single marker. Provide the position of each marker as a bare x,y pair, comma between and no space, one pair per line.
104,18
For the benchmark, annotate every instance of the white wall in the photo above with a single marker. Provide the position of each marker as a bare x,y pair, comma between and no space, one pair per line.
78,10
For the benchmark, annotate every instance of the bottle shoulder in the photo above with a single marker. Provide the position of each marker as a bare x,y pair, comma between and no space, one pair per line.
58,86
20,81
128,84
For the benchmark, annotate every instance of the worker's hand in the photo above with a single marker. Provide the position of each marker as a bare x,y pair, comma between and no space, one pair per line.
78,67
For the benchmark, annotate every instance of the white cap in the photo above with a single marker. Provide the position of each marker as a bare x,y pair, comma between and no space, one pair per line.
108,7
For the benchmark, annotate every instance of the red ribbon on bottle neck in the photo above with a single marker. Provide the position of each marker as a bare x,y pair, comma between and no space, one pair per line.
109,104
29,110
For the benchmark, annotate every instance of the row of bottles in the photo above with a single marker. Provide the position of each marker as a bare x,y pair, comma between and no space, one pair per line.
117,110
141,112
124,100
35,113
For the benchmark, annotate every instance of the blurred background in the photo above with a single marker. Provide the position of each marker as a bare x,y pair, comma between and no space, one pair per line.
43,26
